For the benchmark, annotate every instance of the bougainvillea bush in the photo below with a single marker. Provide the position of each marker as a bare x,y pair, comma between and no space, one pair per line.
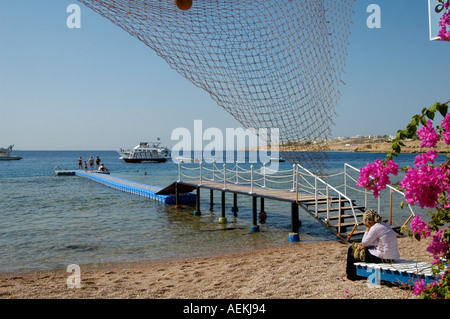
426,184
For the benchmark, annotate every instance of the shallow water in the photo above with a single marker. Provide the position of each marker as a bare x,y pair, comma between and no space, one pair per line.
49,222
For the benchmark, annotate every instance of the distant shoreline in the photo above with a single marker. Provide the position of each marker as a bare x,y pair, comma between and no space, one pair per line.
361,145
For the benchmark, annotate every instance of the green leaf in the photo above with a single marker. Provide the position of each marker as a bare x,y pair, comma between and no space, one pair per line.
423,120
442,108
433,108
396,147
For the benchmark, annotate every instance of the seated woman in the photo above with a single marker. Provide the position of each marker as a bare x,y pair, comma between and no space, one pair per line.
103,168
379,241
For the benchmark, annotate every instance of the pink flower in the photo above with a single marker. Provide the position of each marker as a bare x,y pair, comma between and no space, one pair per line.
418,226
375,176
446,127
425,158
419,286
424,185
438,247
428,135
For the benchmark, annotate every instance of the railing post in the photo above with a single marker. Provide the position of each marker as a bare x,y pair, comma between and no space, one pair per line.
224,176
213,169
379,204
365,199
315,196
340,214
296,185
390,207
179,171
237,172
345,179
293,177
201,177
328,207
251,180
264,175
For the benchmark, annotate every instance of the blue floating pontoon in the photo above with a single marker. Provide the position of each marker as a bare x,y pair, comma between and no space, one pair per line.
136,188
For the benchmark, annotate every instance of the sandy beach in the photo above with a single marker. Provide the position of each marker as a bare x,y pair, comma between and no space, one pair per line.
298,271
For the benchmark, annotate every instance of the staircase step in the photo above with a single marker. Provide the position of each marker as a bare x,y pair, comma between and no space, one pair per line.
336,209
355,233
345,225
322,201
343,216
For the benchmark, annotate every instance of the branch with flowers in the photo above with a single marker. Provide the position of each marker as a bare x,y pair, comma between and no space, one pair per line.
444,22
426,184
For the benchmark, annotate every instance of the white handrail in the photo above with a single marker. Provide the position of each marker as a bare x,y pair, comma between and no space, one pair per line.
328,186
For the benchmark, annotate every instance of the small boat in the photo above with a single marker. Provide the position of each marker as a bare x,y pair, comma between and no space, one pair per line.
5,154
145,152
277,159
181,159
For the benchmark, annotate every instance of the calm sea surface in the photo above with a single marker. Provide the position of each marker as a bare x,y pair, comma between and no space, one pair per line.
49,222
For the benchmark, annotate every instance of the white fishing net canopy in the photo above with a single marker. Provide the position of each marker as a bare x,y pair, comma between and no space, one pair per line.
270,64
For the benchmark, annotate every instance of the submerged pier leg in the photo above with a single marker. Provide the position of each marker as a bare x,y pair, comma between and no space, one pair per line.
177,196
262,213
223,219
211,200
197,211
293,235
234,209
255,227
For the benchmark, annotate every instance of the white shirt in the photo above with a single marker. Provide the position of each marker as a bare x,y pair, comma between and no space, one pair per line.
381,241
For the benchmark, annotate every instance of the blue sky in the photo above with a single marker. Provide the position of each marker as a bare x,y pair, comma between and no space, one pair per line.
100,88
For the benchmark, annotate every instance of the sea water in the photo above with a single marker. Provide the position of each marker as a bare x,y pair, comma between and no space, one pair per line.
49,222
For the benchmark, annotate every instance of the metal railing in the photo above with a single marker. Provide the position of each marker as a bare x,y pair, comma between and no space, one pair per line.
298,180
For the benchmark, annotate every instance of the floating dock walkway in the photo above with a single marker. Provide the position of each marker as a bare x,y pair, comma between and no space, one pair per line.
124,185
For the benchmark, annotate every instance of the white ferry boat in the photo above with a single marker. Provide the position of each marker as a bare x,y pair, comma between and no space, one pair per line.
5,154
145,152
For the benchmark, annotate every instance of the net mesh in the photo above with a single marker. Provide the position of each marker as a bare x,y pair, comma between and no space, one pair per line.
270,64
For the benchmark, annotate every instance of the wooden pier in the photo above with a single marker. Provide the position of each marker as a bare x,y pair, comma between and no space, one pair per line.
182,187
331,207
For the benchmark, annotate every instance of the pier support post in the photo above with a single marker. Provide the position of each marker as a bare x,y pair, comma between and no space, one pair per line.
223,219
211,200
234,209
262,213
255,227
197,211
293,235
177,196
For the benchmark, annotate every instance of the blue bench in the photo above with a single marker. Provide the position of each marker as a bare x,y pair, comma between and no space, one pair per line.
401,271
